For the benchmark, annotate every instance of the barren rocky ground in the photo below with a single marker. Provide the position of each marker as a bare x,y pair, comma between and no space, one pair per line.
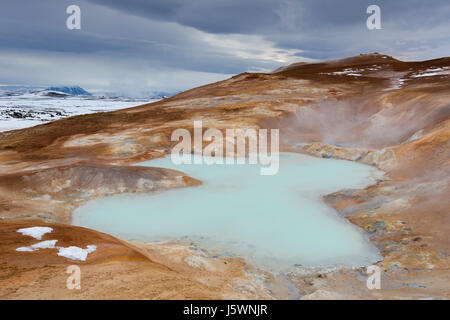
371,108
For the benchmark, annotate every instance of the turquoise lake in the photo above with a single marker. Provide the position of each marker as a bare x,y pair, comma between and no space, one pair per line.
273,222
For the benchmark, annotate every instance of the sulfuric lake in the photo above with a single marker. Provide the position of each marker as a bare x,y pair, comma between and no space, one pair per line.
273,222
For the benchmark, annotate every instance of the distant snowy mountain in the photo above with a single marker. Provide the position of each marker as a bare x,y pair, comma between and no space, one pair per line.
76,90
162,94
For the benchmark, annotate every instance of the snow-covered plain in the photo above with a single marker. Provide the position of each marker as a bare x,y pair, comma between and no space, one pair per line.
26,109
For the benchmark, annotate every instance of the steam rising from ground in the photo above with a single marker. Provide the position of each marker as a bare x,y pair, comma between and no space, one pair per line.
359,123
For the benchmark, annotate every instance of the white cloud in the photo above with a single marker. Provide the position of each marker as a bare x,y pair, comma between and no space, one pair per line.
252,47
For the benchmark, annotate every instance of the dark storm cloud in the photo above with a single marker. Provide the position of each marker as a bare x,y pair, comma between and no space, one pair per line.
321,28
256,16
141,42
217,16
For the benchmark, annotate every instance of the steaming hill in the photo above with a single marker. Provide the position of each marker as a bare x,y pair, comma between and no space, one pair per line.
370,108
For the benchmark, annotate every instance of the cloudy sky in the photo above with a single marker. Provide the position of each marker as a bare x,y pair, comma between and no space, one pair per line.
134,46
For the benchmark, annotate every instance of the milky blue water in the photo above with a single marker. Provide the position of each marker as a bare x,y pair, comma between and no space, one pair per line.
274,222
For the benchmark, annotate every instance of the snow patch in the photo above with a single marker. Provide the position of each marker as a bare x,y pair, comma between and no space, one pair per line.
24,249
346,72
35,232
433,72
47,244
76,253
